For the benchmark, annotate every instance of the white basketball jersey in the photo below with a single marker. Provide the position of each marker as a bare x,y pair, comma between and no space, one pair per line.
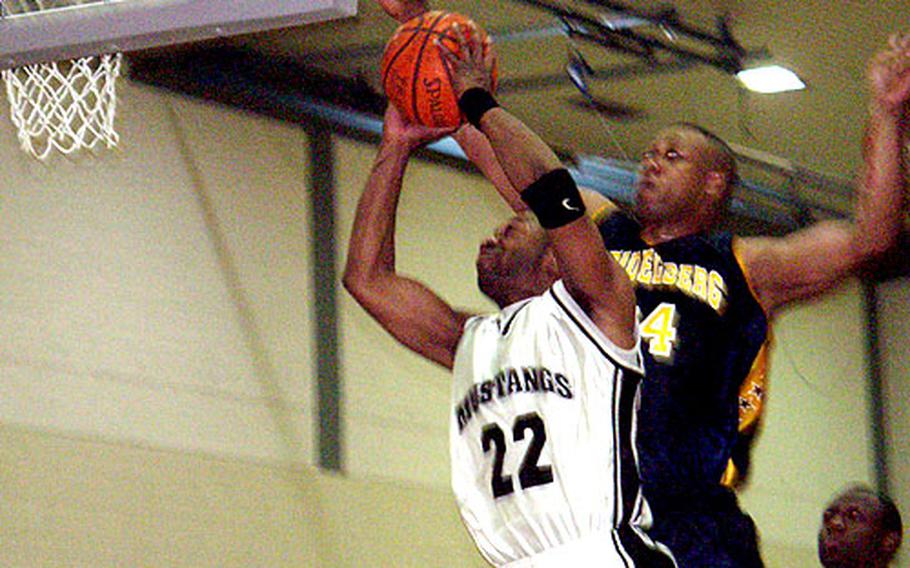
544,466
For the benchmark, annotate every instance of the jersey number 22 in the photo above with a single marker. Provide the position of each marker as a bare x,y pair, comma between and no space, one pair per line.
530,473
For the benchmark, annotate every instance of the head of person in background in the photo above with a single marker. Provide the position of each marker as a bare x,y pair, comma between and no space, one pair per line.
860,528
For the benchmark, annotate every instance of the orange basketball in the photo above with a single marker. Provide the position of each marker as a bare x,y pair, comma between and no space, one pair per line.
414,76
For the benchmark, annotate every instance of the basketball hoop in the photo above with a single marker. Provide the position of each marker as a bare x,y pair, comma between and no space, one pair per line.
65,105
70,105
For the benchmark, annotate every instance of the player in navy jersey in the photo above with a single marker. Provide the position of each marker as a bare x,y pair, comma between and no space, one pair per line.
707,298
705,332
545,392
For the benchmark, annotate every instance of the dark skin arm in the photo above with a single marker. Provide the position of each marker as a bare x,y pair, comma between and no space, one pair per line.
596,282
406,308
813,260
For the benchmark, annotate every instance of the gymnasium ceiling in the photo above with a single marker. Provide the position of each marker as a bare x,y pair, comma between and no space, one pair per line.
826,42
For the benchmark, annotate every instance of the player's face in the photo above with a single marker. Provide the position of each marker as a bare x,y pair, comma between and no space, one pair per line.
849,535
672,175
506,257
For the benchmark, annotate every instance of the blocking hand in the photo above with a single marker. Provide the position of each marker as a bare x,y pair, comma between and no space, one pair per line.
889,76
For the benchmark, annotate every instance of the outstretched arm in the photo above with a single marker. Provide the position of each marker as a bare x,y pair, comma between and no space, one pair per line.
407,309
595,280
813,260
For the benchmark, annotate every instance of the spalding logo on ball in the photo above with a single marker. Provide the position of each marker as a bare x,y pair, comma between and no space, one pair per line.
414,76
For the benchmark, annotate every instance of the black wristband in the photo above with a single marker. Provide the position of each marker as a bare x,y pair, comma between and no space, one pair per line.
555,199
474,103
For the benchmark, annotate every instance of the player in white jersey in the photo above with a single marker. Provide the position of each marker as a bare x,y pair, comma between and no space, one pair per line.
545,476
542,439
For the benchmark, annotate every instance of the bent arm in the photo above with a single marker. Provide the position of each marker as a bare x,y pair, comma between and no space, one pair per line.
813,260
802,265
407,309
599,285
596,282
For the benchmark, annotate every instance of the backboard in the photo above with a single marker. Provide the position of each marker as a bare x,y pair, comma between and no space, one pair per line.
36,31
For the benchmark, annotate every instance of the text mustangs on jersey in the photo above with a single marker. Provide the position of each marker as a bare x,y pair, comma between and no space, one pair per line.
508,382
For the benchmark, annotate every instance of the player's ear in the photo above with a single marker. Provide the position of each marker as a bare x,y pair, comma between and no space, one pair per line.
716,183
550,265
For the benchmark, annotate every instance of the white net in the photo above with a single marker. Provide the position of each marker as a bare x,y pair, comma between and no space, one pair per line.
65,105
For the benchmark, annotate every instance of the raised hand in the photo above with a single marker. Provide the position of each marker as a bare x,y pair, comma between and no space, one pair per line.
472,66
889,76
404,10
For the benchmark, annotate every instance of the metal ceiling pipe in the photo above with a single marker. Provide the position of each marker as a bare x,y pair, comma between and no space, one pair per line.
730,54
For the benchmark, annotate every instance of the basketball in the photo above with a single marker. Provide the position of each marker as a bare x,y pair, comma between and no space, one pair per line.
414,76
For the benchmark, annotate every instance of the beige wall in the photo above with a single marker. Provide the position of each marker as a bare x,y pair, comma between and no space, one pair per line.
78,502
894,306
815,437
157,380
128,284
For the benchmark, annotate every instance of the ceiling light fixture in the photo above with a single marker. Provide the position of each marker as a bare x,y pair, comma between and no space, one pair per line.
770,79
655,35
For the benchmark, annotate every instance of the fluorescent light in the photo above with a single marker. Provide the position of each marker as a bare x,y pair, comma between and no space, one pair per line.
770,79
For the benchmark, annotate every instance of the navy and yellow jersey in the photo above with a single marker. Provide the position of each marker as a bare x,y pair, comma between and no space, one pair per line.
706,340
